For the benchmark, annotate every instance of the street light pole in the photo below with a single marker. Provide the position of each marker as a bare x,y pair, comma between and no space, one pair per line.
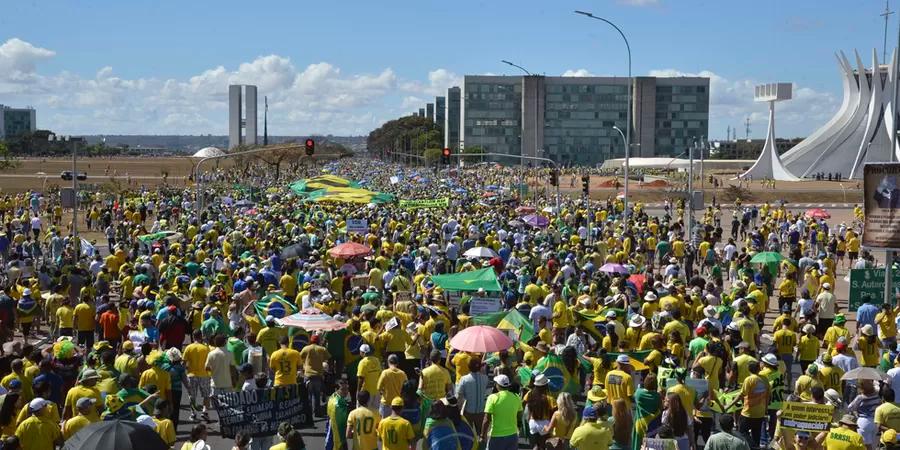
522,147
627,155
628,111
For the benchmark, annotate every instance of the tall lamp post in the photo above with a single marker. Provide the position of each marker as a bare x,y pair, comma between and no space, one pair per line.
628,111
627,155
522,149
64,138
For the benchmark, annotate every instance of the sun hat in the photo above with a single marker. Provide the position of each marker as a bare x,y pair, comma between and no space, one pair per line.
868,330
839,319
541,380
848,419
710,311
770,360
637,321
596,394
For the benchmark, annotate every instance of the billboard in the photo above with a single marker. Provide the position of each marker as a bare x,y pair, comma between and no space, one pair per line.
881,190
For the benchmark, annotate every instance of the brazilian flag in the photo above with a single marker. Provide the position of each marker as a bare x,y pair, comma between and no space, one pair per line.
725,398
508,320
274,305
594,323
559,376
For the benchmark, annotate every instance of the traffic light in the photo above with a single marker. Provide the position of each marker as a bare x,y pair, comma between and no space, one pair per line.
310,147
445,155
585,183
554,178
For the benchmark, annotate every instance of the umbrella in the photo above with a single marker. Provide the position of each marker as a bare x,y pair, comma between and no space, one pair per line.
115,435
613,268
865,373
291,251
550,210
349,250
481,339
766,258
492,187
488,194
312,319
515,223
244,204
536,221
480,252
817,213
525,210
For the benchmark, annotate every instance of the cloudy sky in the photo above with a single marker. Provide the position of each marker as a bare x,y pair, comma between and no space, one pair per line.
162,67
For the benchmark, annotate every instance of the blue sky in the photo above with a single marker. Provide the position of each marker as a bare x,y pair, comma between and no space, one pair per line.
154,67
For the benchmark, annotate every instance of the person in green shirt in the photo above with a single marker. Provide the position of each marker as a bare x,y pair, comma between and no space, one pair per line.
501,417
237,346
214,325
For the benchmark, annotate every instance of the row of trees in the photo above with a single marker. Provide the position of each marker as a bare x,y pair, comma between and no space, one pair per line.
414,135
290,154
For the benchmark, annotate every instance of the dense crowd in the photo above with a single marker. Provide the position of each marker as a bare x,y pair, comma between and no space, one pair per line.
637,330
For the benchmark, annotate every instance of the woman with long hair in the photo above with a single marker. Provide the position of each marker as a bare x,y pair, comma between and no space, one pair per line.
539,408
676,417
562,423
9,408
622,425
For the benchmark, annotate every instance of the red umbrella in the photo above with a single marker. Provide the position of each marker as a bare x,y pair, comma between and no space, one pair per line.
525,210
481,339
349,250
817,213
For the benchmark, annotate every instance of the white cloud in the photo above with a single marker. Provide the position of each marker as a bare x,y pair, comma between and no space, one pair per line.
731,103
577,73
438,82
317,98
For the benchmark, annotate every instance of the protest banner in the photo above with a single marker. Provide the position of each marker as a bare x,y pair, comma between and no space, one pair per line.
359,226
257,413
806,416
881,195
659,444
483,305
360,281
425,203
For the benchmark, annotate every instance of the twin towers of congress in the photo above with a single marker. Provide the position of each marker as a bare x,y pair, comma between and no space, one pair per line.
859,132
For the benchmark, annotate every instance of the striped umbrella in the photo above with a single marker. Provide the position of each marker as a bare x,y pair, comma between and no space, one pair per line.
312,319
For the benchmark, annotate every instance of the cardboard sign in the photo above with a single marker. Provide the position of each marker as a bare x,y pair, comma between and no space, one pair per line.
258,413
806,416
359,226
360,281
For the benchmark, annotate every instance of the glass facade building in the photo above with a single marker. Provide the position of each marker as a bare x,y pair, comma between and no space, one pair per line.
570,119
452,117
15,122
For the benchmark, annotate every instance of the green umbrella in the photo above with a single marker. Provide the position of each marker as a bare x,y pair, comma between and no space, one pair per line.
767,258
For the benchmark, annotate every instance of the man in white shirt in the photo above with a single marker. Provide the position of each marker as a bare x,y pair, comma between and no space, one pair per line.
220,364
541,310
825,303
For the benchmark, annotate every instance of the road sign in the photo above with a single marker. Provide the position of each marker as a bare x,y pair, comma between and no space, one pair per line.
867,285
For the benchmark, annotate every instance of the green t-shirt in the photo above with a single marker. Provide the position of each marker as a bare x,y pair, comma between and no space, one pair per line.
504,407
236,347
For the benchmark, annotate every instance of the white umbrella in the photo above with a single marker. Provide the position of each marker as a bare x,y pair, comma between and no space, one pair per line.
480,252
865,373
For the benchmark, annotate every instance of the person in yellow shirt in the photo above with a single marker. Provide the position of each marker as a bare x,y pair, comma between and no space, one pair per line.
887,329
830,375
845,436
313,357
368,371
86,387
194,357
390,382
164,426
756,393
284,362
618,382
395,432
808,347
435,380
84,322
87,414
785,341
362,424
461,363
835,332
39,432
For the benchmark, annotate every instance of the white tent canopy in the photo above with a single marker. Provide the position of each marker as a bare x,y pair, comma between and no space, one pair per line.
650,163
207,152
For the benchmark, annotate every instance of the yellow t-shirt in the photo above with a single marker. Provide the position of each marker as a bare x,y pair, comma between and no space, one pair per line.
842,438
434,381
888,414
38,433
830,376
65,316
285,362
808,349
84,316
785,341
195,359
74,424
461,362
166,430
618,385
313,357
369,370
755,391
364,423
396,433
78,392
389,384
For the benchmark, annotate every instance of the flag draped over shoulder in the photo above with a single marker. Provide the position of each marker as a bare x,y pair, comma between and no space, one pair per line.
592,322
274,305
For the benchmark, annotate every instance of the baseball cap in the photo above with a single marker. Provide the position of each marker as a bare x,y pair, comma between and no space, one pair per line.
623,359
85,402
397,401
365,349
37,404
589,412
502,380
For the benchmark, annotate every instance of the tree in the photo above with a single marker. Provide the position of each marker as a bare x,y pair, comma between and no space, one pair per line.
432,155
410,134
472,153
6,161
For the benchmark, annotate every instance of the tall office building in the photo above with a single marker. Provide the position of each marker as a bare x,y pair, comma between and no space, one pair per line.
452,118
421,112
15,122
429,111
241,115
440,110
570,119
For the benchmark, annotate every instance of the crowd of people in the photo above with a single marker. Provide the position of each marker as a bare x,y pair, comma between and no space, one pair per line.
636,330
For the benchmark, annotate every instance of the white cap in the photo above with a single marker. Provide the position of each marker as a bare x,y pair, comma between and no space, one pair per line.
365,349
868,330
623,359
503,380
146,420
611,314
541,380
770,359
826,286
